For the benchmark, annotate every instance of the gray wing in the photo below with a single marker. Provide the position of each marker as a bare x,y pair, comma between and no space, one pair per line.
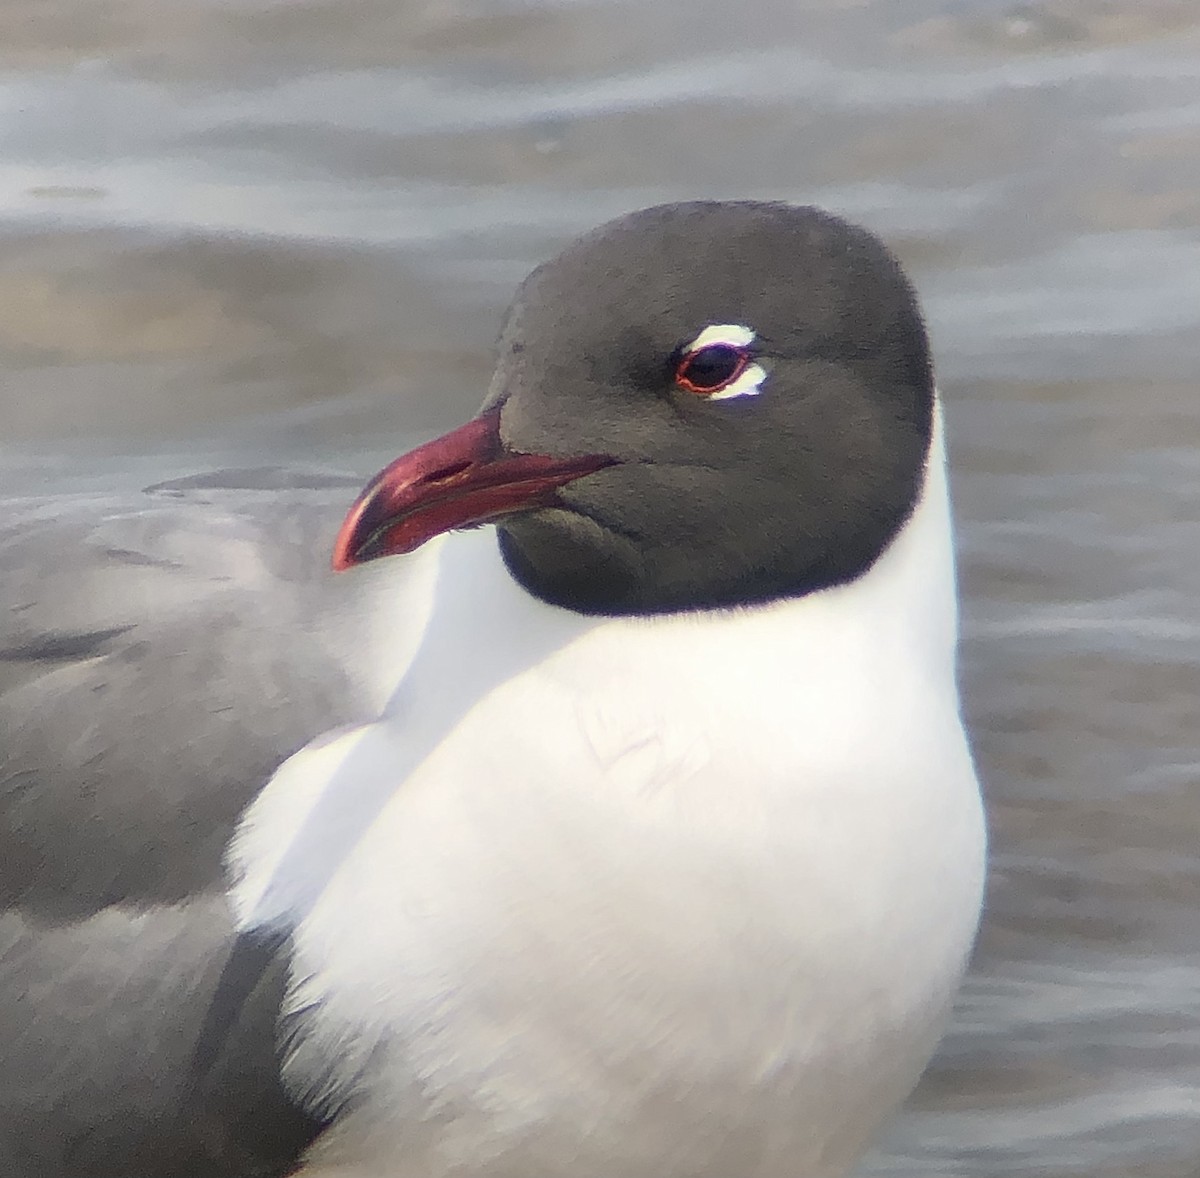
160,654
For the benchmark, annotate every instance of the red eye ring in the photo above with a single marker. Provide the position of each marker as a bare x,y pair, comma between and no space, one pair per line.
724,364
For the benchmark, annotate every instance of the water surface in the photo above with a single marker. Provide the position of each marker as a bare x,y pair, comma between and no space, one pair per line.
239,231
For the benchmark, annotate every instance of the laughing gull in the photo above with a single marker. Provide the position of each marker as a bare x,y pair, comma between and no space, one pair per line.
664,855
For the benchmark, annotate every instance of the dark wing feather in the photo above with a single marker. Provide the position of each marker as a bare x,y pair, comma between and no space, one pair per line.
100,1020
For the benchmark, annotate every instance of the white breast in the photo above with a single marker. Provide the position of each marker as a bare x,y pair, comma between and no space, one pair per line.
657,897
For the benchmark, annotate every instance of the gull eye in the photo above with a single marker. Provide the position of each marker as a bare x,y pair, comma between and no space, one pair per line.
717,364
711,369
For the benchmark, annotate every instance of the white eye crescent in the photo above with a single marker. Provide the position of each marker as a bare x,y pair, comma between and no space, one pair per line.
732,335
716,364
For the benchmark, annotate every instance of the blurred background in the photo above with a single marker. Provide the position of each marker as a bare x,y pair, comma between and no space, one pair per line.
244,231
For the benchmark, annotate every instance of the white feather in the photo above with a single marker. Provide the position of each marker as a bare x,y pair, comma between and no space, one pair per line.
679,896
732,335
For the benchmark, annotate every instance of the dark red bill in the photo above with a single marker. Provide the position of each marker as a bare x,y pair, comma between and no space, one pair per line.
456,481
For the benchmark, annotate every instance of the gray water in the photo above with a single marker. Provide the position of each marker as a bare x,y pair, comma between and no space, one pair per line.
237,230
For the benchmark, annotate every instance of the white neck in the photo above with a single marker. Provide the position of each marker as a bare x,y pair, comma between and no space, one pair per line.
484,630
909,594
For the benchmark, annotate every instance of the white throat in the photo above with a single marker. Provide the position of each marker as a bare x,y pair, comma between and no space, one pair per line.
484,630
609,889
